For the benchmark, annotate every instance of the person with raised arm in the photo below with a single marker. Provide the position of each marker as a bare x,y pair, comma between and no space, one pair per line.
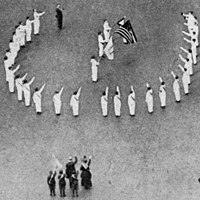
19,85
117,102
57,101
131,102
37,99
149,98
27,91
104,103
74,102
185,79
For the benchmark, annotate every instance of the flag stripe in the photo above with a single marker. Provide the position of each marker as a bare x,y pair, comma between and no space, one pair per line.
124,33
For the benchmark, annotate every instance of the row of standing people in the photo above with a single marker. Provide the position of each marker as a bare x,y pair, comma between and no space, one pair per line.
192,25
72,175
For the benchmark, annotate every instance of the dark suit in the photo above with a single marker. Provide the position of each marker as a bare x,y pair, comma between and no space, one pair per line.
52,184
62,184
59,17
70,168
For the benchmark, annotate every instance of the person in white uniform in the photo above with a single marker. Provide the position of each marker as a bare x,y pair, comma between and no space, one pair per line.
19,85
27,91
37,99
28,29
104,103
109,50
149,99
189,56
11,78
117,102
106,30
131,102
176,87
194,44
13,49
162,93
94,67
74,102
101,42
10,56
7,64
187,64
16,41
37,21
22,34
57,101
185,79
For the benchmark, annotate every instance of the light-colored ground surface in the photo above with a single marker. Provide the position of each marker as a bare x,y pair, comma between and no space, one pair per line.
144,158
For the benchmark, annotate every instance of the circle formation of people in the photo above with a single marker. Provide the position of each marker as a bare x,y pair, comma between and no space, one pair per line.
23,33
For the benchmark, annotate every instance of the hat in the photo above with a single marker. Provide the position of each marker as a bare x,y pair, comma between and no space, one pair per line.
70,158
61,171
163,83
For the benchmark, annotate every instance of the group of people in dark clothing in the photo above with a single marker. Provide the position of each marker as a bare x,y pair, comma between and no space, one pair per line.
72,174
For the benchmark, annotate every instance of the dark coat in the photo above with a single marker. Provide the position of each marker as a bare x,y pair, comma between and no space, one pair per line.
86,177
61,179
70,167
59,14
51,180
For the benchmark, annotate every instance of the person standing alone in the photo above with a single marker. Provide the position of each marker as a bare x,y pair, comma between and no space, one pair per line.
59,16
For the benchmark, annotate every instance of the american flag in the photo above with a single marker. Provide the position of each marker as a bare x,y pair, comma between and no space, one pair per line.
126,31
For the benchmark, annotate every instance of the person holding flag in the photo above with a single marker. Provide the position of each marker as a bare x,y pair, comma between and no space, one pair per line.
109,50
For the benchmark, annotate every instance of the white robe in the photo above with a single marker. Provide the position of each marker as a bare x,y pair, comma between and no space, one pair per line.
57,103
106,31
189,64
104,105
149,100
176,89
28,30
11,80
109,50
131,103
7,64
162,95
186,81
194,52
94,69
19,86
22,35
37,99
37,22
101,45
117,105
74,103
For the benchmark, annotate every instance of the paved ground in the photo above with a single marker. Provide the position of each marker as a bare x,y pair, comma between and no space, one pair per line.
142,158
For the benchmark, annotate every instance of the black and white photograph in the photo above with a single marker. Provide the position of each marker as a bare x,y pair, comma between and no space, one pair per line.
99,100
